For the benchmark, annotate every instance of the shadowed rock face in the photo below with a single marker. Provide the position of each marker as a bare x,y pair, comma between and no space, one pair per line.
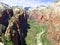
19,27
19,35
6,15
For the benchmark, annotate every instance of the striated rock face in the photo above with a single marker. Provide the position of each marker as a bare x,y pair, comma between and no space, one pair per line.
53,34
40,14
43,14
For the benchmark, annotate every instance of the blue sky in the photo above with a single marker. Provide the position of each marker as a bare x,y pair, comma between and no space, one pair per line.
26,3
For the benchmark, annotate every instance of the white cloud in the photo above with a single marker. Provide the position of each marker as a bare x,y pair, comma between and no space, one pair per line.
32,3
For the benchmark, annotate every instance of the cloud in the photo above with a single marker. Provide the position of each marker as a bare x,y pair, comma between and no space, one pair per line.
25,3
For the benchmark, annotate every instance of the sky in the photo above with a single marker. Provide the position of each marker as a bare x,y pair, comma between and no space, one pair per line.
27,3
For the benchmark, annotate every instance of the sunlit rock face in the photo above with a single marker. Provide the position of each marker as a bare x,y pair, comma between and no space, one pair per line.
17,10
40,14
53,34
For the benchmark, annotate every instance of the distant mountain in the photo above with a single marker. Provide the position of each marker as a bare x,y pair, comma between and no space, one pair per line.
26,8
